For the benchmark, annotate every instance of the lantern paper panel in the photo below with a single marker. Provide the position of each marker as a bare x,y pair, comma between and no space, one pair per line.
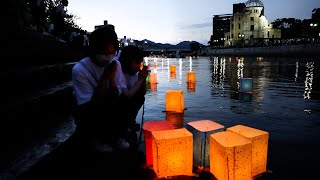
175,100
201,130
229,156
153,78
245,85
148,127
154,64
191,77
259,141
172,152
148,78
173,68
175,118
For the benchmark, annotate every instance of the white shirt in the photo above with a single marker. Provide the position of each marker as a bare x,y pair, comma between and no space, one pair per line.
85,77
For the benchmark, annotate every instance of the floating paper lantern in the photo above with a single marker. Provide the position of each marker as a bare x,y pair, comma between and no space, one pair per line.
173,69
245,85
259,141
148,78
229,156
191,87
172,152
191,77
174,100
153,78
154,64
201,130
175,118
151,126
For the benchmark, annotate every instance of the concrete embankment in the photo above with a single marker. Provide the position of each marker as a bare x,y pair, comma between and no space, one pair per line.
288,50
34,112
36,100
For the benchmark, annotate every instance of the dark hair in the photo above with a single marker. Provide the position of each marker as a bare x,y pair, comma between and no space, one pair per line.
100,37
128,55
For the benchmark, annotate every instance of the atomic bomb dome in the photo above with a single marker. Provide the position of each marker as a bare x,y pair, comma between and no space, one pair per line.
254,3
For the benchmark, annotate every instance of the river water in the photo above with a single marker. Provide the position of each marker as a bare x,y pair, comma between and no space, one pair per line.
285,102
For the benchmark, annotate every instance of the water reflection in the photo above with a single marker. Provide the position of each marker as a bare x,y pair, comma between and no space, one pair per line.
309,80
240,71
177,119
180,71
297,72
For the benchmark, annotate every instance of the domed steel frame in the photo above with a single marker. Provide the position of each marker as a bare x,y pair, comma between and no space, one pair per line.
254,3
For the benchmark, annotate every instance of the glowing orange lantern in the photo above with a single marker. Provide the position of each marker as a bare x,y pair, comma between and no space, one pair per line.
191,77
174,100
175,118
229,156
149,127
173,69
153,78
201,130
172,152
259,141
154,64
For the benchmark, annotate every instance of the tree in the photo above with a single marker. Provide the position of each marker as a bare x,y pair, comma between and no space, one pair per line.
290,27
50,12
316,14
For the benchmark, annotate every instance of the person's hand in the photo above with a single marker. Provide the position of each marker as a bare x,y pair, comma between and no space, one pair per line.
109,70
143,74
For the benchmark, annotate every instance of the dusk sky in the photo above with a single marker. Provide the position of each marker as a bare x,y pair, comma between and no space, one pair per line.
173,21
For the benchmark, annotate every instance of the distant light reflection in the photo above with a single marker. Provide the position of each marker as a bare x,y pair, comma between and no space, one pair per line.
190,64
309,80
168,68
240,71
180,71
222,71
297,71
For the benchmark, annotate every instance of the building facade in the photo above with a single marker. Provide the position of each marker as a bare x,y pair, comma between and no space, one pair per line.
248,26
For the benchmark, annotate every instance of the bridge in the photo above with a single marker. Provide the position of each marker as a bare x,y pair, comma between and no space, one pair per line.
167,50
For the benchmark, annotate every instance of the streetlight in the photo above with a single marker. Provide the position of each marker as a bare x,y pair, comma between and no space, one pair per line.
313,25
241,36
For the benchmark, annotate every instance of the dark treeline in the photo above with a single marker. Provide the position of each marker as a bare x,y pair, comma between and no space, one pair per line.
292,28
25,43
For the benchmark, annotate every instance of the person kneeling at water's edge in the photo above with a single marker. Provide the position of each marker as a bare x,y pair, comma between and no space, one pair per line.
99,89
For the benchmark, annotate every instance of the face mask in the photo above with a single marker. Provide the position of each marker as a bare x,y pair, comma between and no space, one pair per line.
103,59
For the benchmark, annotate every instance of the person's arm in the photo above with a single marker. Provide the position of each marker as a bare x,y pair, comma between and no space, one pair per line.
106,81
138,86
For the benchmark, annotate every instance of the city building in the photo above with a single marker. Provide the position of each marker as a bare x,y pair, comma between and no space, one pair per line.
105,23
246,26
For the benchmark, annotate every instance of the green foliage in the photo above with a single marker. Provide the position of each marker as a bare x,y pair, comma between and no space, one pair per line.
295,28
